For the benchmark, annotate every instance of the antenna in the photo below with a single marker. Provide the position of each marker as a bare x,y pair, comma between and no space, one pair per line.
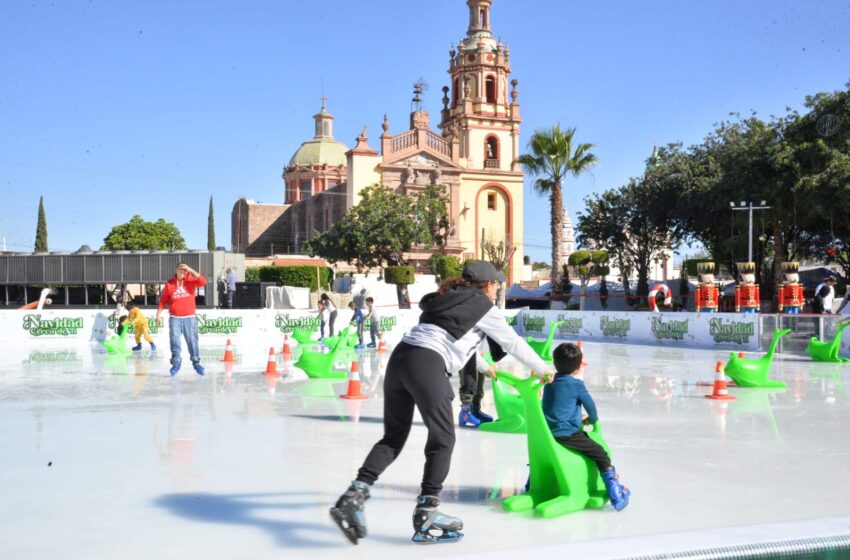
420,86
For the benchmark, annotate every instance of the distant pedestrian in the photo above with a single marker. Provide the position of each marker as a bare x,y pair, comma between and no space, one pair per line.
230,281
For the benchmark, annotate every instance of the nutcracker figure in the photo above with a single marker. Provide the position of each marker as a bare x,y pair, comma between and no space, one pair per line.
747,297
790,292
707,295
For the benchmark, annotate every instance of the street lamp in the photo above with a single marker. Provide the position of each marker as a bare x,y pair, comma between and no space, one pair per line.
749,207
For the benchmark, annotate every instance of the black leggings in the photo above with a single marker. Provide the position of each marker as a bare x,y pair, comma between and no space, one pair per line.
415,377
581,443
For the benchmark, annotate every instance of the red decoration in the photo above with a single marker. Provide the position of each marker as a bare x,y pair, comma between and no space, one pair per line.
747,296
831,251
790,295
707,297
470,57
489,57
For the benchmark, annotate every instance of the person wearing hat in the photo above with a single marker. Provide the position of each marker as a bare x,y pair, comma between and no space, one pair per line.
826,292
454,322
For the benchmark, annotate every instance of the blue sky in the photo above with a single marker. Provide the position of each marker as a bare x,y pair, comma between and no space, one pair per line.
111,109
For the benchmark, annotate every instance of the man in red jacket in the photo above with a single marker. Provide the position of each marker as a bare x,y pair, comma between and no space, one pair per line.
179,296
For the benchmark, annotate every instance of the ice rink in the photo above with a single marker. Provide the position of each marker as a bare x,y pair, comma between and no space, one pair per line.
110,457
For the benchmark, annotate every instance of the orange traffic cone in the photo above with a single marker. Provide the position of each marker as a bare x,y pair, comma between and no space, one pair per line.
721,392
287,351
271,366
228,353
740,354
578,343
382,346
354,383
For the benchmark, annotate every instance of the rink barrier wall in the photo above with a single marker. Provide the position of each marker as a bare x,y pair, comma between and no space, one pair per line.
733,331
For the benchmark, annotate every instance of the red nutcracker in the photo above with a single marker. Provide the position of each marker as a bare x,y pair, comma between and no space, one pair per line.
707,295
747,297
790,292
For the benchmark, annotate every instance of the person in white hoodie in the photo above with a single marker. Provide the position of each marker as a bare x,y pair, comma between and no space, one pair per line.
829,296
455,320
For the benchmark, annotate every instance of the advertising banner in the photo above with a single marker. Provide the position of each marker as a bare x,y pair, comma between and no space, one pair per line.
737,331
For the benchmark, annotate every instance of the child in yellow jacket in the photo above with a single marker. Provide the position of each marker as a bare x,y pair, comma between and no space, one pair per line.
140,327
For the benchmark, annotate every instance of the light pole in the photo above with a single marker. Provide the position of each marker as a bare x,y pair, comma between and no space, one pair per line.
749,207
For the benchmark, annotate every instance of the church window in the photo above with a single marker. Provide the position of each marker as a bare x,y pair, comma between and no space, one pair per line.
306,189
482,16
491,152
326,129
491,201
490,89
455,93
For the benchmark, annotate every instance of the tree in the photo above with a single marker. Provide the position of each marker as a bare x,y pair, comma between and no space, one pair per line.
211,228
140,235
588,264
539,265
500,256
552,157
636,223
41,228
383,226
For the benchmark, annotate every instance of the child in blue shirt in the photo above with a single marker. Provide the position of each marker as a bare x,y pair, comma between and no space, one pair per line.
563,400
358,321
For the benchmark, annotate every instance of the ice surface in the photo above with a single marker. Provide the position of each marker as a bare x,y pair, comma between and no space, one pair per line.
106,457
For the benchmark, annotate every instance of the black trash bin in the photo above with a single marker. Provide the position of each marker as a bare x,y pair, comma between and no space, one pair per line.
250,295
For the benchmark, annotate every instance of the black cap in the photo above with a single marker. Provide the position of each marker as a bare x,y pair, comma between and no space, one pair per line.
481,271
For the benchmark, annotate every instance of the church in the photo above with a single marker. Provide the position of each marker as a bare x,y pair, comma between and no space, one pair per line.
472,153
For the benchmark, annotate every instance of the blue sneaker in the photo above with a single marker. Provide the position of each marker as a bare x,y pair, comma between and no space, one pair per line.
137,347
370,345
359,346
199,369
153,347
174,370
466,418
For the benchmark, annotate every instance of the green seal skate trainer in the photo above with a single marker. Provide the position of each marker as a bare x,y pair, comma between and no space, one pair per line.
117,344
544,348
303,336
827,351
747,372
562,481
509,409
318,365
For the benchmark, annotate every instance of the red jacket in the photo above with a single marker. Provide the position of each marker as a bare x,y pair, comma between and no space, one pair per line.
181,299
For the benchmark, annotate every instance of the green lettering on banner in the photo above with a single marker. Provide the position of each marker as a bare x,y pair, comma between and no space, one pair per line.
152,326
218,325
286,324
37,356
732,331
511,320
570,326
673,330
533,323
385,324
62,326
615,327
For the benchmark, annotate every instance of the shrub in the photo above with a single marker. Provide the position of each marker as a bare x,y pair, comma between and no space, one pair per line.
298,276
400,275
252,274
445,266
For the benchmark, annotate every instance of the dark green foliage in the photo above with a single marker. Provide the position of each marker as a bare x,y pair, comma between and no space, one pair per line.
384,226
298,276
211,228
139,235
400,275
252,274
445,266
41,229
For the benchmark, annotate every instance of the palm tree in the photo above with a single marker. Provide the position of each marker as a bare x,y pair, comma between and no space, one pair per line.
551,159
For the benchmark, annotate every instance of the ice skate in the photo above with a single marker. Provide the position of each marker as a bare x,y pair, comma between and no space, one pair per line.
466,418
426,518
348,511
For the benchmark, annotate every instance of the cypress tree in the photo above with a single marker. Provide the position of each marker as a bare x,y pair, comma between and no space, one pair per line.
211,228
41,229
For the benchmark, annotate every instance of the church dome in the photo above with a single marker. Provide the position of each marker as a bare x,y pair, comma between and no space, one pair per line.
323,148
320,150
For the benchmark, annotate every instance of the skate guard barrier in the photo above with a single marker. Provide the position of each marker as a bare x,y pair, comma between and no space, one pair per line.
743,332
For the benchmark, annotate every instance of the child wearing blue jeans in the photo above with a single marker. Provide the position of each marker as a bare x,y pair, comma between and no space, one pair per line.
563,400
